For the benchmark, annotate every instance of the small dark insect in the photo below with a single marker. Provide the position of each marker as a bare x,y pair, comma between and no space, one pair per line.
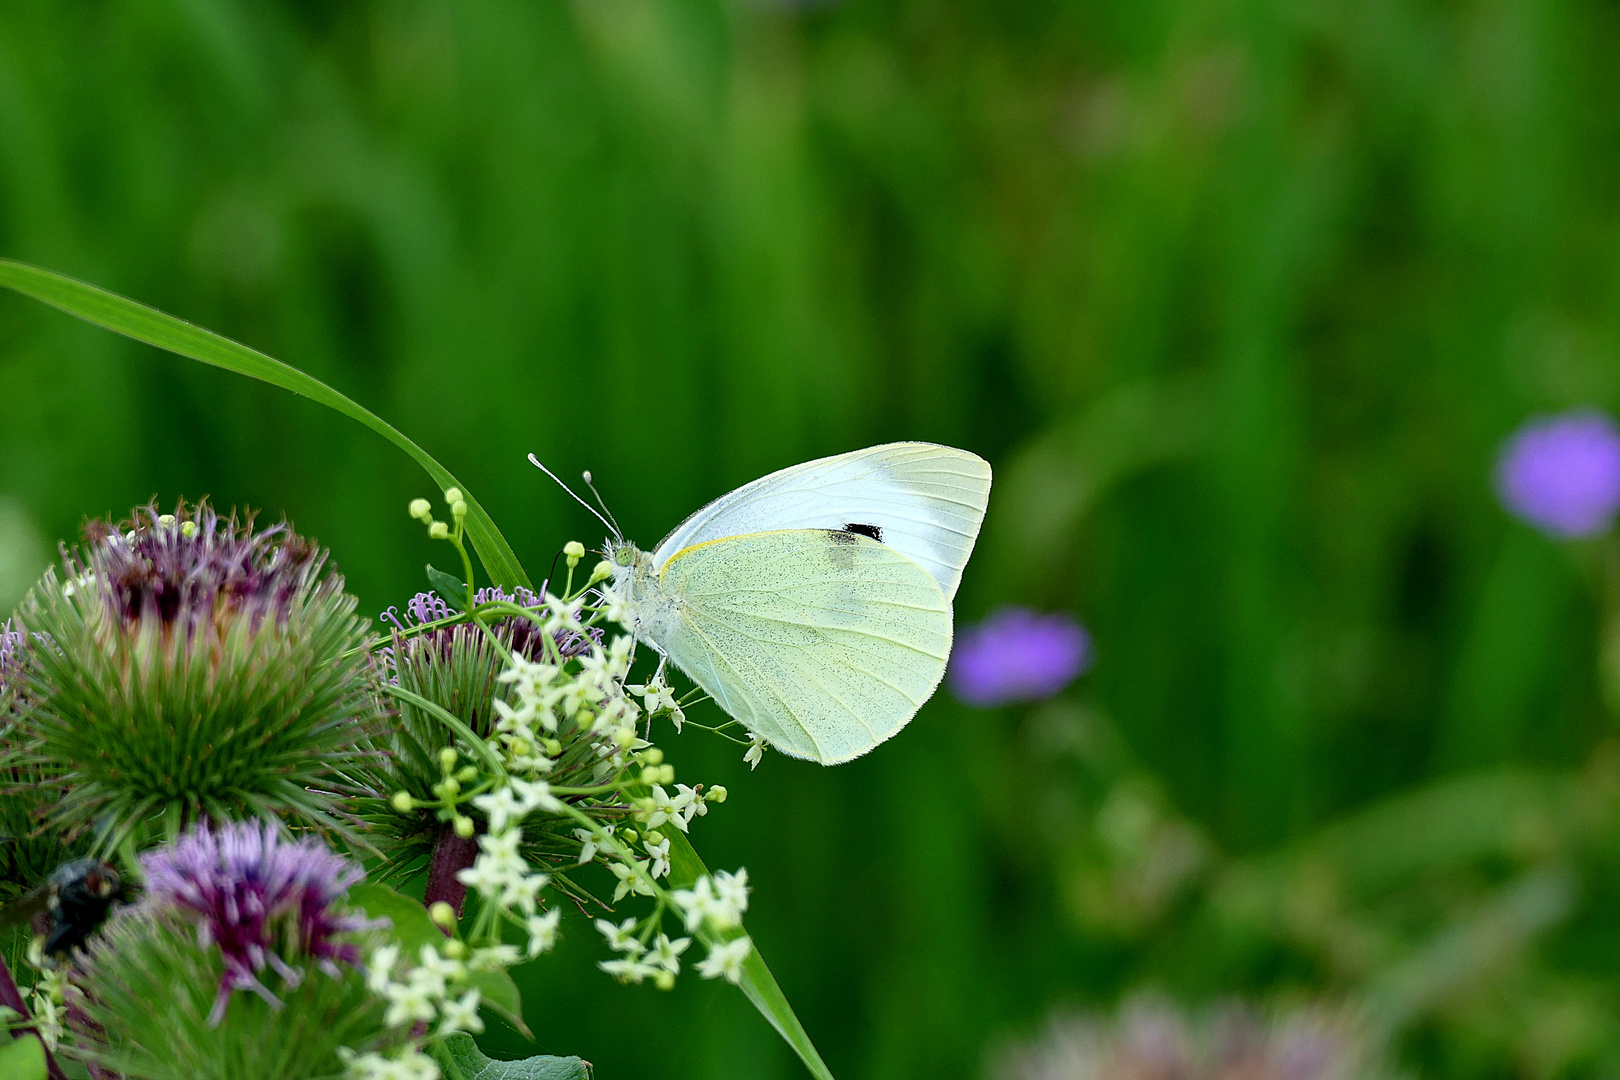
870,531
72,904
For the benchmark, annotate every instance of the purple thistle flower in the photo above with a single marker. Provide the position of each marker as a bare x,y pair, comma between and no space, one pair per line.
522,636
1018,655
192,566
1562,473
252,891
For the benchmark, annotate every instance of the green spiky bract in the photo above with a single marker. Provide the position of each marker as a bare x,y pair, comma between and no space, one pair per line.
190,669
140,1009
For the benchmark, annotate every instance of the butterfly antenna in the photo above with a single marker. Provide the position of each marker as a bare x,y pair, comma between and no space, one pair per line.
601,502
611,527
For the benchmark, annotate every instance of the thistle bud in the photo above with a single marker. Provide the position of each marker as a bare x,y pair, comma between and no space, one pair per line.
193,675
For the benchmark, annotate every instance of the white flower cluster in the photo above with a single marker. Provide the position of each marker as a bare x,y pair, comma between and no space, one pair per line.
433,993
432,989
45,1002
649,953
408,1063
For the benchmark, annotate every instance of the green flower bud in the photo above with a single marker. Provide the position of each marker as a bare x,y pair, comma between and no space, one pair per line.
716,794
464,826
443,914
467,774
421,510
602,572
652,756
403,802
438,530
453,496
573,551
448,758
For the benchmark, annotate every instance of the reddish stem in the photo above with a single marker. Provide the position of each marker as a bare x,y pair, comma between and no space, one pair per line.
11,997
451,854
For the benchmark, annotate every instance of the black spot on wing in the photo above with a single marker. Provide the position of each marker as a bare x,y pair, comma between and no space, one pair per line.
870,531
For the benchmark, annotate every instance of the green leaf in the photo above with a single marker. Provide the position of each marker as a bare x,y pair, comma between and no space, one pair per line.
451,591
758,984
413,928
470,1062
165,331
133,320
24,1059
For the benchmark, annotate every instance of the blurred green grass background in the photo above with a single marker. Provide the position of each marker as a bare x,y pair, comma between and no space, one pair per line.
1239,298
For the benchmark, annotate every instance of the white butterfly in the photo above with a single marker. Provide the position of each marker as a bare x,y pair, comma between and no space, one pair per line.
814,604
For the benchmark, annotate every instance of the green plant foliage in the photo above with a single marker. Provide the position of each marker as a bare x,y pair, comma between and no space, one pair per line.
470,1062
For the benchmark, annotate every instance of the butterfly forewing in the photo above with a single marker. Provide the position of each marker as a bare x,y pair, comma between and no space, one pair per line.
824,642
924,500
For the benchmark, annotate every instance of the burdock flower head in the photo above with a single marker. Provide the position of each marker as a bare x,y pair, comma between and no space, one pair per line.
1562,474
186,666
432,670
252,893
243,908
1018,655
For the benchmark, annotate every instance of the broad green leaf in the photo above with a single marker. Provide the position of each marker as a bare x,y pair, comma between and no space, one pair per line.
758,984
146,324
413,928
470,1062
24,1059
451,591
133,320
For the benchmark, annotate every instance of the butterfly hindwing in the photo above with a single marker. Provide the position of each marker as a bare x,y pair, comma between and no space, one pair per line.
824,642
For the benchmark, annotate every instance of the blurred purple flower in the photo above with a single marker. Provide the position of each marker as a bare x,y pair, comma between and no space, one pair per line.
252,892
1018,655
1562,474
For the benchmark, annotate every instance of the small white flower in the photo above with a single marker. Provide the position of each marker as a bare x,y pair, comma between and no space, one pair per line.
502,806
621,938
666,953
696,903
587,850
461,1015
381,971
731,891
756,751
726,960
632,879
658,856
543,931
536,795
655,694
493,958
626,969
408,1002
